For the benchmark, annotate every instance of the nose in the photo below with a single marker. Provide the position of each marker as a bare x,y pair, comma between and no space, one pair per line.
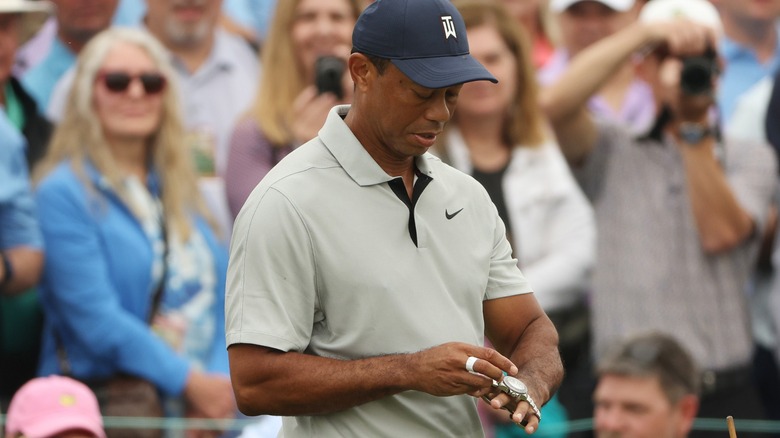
607,419
439,110
135,88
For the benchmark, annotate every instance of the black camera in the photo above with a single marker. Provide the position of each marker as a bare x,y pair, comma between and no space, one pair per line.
328,73
698,72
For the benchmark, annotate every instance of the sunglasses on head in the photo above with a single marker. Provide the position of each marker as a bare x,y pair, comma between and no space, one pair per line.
119,82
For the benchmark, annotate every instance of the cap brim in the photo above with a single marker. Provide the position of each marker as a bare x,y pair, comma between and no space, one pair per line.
443,71
57,424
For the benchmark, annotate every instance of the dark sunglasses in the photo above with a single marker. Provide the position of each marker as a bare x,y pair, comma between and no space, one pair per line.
119,82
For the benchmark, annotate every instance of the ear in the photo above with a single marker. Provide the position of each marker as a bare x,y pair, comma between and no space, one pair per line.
360,69
688,407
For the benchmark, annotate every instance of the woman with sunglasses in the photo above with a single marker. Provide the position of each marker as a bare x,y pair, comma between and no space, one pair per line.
123,224
288,110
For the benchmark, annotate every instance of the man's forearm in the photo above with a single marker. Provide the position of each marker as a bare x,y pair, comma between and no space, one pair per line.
721,221
268,381
538,359
301,384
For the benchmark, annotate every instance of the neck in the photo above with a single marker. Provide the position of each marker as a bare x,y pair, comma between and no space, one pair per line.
74,43
392,163
758,35
193,56
131,155
484,138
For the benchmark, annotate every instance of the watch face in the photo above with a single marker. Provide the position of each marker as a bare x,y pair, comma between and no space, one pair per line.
515,385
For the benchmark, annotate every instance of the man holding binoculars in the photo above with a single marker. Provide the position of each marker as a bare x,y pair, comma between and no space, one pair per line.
679,212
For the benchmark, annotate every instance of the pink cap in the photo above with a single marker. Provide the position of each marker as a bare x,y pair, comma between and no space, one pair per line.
46,406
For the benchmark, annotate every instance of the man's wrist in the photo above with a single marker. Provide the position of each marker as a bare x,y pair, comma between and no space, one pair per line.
693,133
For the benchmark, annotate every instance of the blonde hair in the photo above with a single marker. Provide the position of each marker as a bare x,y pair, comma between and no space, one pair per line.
525,123
80,137
282,79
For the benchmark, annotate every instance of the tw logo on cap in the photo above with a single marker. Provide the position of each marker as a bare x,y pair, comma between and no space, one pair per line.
449,27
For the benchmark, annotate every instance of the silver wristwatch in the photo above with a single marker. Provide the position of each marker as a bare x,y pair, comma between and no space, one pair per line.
516,389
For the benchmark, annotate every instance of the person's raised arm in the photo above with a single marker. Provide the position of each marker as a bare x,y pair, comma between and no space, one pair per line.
565,101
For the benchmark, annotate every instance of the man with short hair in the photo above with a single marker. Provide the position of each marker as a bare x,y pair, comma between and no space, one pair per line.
77,22
648,387
218,74
365,273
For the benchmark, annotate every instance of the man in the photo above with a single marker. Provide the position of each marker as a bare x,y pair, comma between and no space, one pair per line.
364,272
679,213
23,136
648,387
218,74
624,98
750,47
77,22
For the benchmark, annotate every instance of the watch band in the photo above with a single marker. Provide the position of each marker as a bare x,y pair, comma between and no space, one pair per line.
518,397
692,133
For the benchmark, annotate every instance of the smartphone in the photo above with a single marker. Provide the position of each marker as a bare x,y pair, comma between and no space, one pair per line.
329,71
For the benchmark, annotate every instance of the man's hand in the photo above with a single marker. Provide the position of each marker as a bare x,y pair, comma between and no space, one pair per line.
520,413
445,369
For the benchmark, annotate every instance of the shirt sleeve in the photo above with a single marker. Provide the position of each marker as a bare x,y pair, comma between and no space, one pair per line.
271,288
751,170
18,219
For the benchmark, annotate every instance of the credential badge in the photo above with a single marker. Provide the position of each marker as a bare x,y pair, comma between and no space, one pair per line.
449,27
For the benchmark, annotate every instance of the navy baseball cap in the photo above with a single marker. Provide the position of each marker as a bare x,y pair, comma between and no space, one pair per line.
425,39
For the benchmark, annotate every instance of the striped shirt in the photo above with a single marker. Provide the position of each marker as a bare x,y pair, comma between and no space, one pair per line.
651,270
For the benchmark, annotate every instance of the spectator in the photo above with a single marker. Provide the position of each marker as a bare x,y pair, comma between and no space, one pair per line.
679,213
21,258
54,406
750,47
288,111
648,386
218,73
624,98
121,218
395,335
500,136
77,22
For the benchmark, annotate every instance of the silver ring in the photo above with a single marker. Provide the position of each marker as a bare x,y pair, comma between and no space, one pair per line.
470,363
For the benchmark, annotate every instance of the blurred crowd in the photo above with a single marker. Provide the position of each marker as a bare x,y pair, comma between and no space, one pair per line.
630,147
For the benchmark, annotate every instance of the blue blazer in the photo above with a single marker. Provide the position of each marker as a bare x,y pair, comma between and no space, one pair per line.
97,285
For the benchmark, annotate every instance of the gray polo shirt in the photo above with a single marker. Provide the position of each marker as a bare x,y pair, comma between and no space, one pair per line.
651,270
324,262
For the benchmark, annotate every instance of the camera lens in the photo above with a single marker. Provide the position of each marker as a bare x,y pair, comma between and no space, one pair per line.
696,75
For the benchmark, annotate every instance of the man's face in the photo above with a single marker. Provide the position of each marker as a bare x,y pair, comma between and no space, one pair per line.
749,11
636,407
183,22
80,20
9,41
588,21
405,117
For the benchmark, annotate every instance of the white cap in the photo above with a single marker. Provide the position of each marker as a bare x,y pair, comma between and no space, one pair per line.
698,11
618,5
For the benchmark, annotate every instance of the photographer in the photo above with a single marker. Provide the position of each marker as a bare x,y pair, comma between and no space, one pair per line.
678,212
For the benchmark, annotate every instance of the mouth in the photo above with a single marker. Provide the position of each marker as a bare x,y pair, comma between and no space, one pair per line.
426,139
